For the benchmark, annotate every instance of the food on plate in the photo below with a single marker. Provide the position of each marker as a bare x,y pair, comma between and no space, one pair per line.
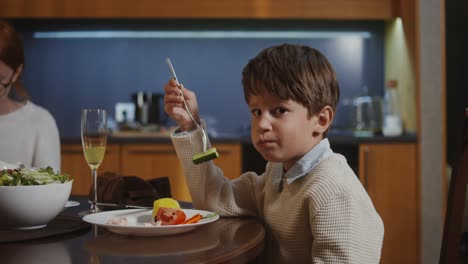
164,217
22,176
194,219
164,202
197,217
167,211
116,220
170,216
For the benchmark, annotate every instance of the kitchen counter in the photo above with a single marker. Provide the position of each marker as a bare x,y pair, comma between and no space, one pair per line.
347,137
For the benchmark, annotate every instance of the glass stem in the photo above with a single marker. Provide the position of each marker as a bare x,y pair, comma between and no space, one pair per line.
94,207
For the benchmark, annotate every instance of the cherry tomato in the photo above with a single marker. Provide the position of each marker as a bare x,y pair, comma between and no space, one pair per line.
170,216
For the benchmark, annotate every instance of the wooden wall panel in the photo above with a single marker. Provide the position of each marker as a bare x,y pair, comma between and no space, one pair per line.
304,9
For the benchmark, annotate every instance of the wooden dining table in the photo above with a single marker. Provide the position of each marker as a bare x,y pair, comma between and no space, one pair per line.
226,240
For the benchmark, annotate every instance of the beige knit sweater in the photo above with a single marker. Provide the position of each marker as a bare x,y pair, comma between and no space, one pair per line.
324,217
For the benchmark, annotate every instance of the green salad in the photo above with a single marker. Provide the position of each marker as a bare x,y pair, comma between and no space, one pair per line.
21,176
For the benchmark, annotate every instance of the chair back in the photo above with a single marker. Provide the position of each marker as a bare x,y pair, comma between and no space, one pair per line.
453,226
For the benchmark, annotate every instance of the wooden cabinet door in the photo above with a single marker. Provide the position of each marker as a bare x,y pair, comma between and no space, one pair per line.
150,161
389,174
74,164
230,159
160,160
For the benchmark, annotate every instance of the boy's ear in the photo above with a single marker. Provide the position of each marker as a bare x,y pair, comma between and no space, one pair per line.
325,118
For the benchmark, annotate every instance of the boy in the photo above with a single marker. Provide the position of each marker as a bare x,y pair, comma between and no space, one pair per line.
313,205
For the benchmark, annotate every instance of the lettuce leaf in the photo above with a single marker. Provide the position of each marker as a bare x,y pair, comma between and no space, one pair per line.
21,176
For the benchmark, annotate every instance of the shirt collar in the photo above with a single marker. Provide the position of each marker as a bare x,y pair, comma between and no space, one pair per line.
308,162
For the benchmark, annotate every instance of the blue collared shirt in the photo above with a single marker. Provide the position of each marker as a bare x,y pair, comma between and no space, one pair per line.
308,162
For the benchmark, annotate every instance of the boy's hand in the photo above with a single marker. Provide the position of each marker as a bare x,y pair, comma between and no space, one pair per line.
175,108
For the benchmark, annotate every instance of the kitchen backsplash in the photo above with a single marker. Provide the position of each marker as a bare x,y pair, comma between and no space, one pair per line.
72,64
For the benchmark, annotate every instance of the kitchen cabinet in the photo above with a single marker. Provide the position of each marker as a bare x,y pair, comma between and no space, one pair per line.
147,161
150,161
389,174
240,9
159,160
230,159
74,164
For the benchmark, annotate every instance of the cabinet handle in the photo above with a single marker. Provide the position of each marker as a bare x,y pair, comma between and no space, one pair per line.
143,152
366,167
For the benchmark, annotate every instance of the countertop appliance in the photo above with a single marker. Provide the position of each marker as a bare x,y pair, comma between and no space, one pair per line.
367,115
149,108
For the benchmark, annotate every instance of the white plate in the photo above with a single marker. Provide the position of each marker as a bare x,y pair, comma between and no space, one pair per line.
137,218
71,204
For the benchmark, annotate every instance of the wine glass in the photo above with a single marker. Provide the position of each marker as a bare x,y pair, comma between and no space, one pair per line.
94,140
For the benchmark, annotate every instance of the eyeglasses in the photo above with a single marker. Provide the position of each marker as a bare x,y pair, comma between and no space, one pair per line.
4,86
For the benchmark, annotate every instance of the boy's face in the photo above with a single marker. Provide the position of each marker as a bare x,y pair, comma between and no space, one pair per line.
282,130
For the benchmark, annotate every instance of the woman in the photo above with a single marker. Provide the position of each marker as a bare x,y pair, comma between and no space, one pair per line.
28,133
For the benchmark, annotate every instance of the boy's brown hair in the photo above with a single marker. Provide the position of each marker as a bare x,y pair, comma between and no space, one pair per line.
295,72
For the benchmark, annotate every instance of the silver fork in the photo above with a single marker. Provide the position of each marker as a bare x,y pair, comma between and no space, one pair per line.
123,206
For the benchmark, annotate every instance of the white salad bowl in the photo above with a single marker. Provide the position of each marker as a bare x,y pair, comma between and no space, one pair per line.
32,206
